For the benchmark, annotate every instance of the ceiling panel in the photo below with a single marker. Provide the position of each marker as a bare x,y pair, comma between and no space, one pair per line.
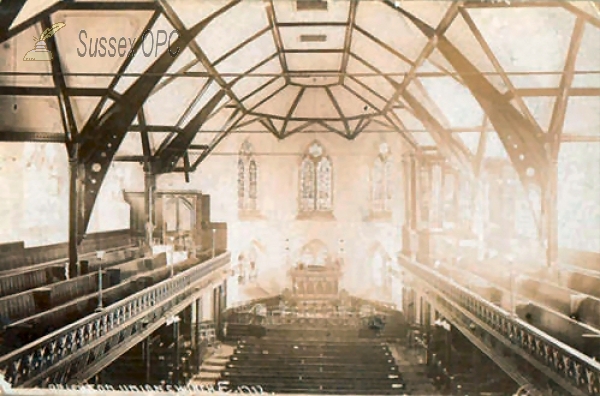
334,37
304,61
315,103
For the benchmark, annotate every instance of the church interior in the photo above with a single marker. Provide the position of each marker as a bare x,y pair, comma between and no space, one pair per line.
358,197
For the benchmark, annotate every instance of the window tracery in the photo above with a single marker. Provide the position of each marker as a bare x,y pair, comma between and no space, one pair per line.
381,182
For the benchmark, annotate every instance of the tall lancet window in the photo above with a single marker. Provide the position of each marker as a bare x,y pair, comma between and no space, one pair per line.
381,182
241,184
247,179
252,189
316,181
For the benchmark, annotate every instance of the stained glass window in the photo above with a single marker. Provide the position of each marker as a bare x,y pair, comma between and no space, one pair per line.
241,184
252,189
324,184
247,179
307,186
315,180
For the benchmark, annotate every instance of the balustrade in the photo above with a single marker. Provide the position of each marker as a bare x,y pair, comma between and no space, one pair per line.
57,357
575,368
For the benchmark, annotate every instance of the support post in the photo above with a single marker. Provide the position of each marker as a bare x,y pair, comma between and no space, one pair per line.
406,229
73,213
147,358
177,358
149,204
197,334
424,173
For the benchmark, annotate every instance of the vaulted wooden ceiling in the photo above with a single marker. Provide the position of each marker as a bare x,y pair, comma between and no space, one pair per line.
445,76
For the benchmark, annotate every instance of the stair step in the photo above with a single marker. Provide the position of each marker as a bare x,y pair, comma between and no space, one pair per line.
217,359
212,369
204,375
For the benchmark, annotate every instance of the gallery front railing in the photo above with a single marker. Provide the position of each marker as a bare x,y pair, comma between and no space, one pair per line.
78,351
569,367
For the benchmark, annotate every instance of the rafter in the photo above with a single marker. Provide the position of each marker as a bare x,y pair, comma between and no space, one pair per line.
519,136
447,145
50,91
169,79
9,12
64,103
146,149
178,24
39,137
383,45
263,100
248,72
274,27
339,110
134,50
230,124
260,88
594,21
368,102
533,92
291,110
432,35
391,116
332,129
177,127
481,146
368,88
560,104
240,46
496,64
550,192
348,39
167,158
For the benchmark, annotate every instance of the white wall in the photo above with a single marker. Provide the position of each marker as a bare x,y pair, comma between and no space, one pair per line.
278,163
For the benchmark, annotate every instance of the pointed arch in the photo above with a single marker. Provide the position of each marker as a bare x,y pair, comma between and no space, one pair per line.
316,180
314,253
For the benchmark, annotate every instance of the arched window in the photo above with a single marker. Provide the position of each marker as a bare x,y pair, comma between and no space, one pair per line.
252,189
241,184
381,181
247,179
316,175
